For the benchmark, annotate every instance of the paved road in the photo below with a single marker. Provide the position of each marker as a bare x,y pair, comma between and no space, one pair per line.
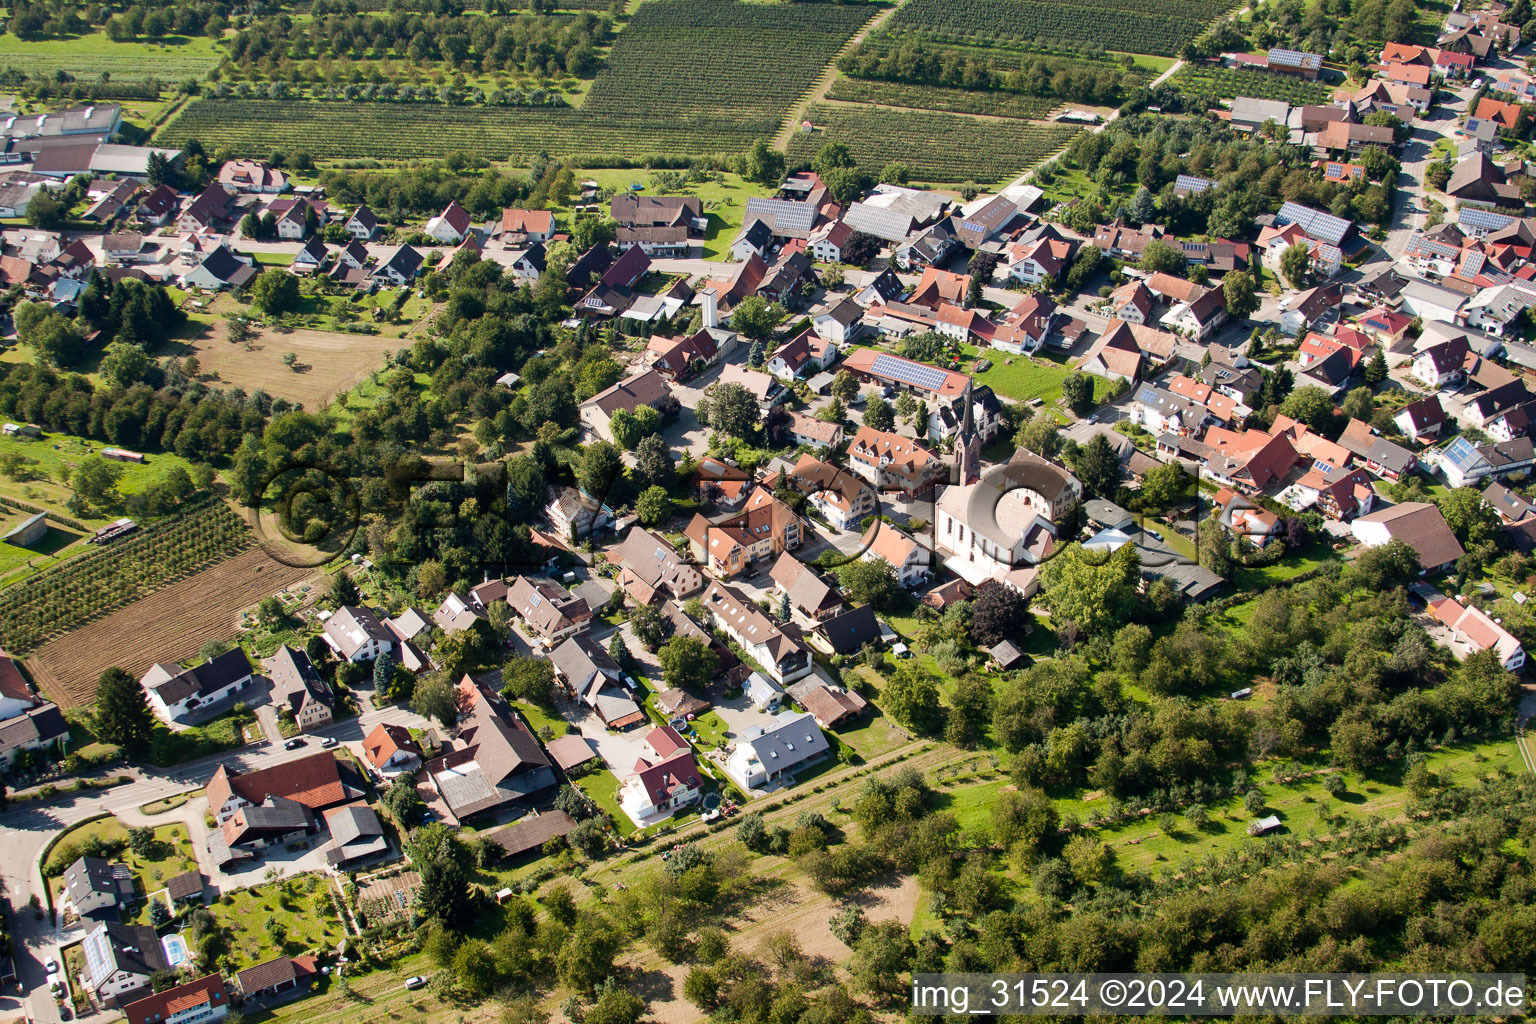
25,830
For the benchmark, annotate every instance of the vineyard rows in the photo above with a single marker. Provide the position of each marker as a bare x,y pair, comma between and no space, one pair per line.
685,77
1135,26
395,131
937,147
84,588
1227,83
932,97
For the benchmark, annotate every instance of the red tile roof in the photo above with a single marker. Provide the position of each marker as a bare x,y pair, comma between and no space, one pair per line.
314,781
208,990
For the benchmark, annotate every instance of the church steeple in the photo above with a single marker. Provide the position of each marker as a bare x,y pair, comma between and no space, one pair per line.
965,459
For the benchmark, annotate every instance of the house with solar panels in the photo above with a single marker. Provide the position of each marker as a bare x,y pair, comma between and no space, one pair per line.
906,374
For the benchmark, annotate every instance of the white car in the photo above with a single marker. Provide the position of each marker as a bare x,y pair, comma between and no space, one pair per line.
414,983
51,966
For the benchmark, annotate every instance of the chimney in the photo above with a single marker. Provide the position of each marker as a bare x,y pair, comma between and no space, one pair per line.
711,309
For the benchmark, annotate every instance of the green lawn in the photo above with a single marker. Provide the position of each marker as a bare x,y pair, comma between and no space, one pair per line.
603,788
1147,62
725,204
1031,377
284,917
538,719
171,856
711,729
86,57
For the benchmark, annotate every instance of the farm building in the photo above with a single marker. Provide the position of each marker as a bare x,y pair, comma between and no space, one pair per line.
28,531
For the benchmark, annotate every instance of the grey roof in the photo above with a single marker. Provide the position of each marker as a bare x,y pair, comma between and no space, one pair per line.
790,741
882,223
131,948
204,679
581,660
184,886
786,218
352,626
295,680
497,759
851,630
1191,183
1324,227
91,875
352,823
1251,110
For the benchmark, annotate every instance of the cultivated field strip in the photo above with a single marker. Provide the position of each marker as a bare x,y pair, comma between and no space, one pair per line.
168,625
1135,26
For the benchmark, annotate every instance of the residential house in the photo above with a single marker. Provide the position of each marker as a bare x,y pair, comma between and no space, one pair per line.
775,647
666,779
807,591
1441,364
1338,492
357,836
400,267
1498,308
1198,318
391,749
1310,309
754,239
576,515
764,528
1026,327
812,432
768,758
842,497
805,353
1127,351
16,698
494,760
1477,179
1473,630
678,359
120,959
281,977
298,688
594,678
177,694
649,568
840,323
662,226
1247,462
314,782
1463,462
1382,457
827,241
219,269
451,226
1417,524
1131,302
456,614
548,611
1421,420
94,884
906,556
205,211
1043,259
891,462
519,228
830,706
361,225
356,634
1117,240
644,388
848,633
41,729
201,1000
252,176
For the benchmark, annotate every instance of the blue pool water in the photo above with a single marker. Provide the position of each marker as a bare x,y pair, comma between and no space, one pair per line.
175,950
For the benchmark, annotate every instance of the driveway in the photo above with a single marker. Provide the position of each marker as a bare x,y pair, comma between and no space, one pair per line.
740,716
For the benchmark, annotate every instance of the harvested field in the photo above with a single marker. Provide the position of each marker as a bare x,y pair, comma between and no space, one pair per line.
329,362
168,625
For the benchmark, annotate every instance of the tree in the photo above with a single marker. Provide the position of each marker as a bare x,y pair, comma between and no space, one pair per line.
276,292
54,337
871,582
653,461
881,957
879,414
653,506
444,894
383,673
45,211
528,679
598,468
763,164
1097,465
615,1006
1084,267
1311,405
125,364
1470,518
1096,595
1376,369
1215,549
1160,257
1294,264
122,712
438,699
754,317
845,386
475,968
343,590
895,173
755,354
1163,487
1240,294
95,480
732,409
1078,391
1357,404
649,626
588,232
687,664
1040,435
997,613
912,698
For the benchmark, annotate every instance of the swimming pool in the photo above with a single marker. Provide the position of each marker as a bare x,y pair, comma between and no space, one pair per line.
175,950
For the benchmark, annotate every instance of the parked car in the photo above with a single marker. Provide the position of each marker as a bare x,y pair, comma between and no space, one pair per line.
416,982
329,742
51,966
294,744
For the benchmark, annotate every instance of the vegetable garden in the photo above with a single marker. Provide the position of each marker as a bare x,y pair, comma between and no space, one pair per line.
1227,83
84,588
937,147
745,65
1134,26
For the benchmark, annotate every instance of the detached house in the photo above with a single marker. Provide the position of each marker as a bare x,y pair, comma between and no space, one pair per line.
1443,363
390,748
219,269
767,758
399,267
843,498
593,678
764,528
356,634
902,553
665,779
120,959
494,760
205,211
805,353
176,694
297,686
193,1002
361,225
451,226
808,593
548,611
94,884
649,567
644,388
776,648
1473,631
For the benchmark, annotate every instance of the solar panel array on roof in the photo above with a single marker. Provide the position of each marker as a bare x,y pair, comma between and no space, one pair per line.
1472,217
873,220
912,374
1295,59
786,218
1324,227
1191,183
